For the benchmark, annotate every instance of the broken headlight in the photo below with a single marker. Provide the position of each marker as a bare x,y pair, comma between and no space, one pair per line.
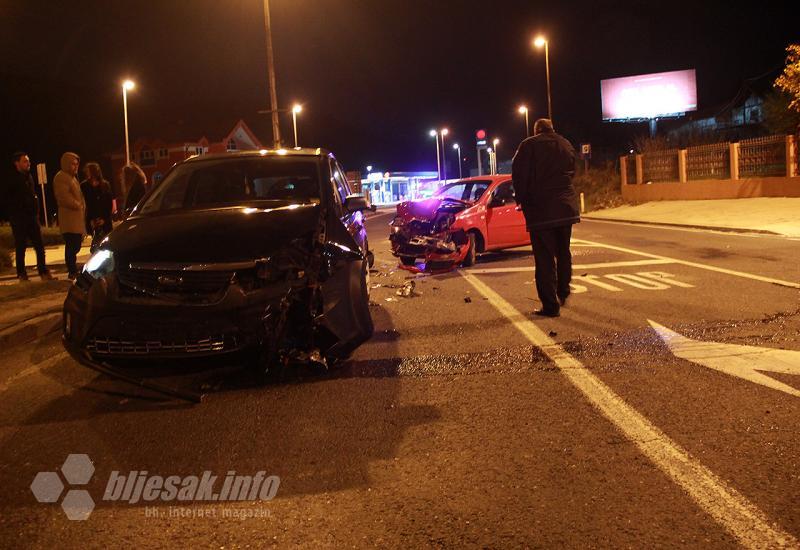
100,264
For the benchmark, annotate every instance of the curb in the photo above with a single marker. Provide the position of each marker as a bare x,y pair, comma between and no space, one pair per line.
32,329
691,226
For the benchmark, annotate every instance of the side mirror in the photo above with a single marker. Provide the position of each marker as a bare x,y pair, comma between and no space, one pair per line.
356,203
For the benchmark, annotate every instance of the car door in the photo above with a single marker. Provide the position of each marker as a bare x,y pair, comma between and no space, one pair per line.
505,225
353,221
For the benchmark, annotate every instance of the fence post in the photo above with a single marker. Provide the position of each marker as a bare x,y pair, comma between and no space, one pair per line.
639,170
623,171
682,166
734,154
790,156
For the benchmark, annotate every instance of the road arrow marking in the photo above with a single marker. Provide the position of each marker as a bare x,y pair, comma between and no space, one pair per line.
734,359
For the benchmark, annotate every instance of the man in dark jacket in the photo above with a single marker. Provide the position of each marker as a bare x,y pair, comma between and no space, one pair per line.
23,210
542,177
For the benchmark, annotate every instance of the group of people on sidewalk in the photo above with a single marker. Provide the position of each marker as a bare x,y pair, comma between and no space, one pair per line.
84,208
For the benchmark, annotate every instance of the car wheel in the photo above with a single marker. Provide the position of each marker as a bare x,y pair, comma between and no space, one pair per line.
472,254
408,260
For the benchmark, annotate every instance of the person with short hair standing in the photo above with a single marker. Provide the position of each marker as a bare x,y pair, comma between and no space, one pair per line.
541,173
23,210
71,210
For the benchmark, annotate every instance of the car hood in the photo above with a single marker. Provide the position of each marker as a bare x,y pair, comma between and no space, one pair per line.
218,235
426,209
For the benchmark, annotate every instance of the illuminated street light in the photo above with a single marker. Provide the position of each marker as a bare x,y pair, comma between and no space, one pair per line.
495,142
523,110
539,42
457,147
296,109
369,168
435,134
127,85
443,133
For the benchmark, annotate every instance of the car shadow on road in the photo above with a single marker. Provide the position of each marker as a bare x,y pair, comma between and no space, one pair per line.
319,432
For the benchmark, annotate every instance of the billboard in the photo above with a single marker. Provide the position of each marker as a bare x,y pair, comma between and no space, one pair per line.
649,95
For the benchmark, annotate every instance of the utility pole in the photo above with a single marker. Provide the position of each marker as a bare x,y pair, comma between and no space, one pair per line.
273,94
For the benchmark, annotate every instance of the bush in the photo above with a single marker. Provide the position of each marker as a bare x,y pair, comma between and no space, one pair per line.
50,236
600,187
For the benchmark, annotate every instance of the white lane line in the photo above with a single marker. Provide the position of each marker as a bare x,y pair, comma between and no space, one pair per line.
735,359
600,265
726,505
32,370
780,282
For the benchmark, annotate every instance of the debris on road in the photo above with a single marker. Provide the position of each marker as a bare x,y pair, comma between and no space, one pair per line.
467,299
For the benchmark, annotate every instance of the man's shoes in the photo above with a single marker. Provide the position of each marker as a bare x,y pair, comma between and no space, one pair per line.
546,313
563,299
46,276
72,276
23,277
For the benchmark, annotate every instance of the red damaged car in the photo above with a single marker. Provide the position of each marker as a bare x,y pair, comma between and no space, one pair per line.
461,220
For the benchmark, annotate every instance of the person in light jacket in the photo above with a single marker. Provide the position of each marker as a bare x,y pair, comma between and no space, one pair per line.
71,210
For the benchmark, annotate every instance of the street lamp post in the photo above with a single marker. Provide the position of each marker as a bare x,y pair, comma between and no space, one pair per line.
296,109
443,133
539,42
273,93
127,85
523,110
457,147
435,134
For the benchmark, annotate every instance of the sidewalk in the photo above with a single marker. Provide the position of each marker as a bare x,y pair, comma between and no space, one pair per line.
54,256
771,215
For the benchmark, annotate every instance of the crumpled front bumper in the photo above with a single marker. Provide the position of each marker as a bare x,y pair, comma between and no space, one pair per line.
99,325
439,252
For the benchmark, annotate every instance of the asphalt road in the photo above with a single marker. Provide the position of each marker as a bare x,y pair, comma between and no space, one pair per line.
466,420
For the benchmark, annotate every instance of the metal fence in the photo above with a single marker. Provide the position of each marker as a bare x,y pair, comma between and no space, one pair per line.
706,162
764,156
660,166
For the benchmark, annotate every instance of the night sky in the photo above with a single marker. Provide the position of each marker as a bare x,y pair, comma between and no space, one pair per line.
374,76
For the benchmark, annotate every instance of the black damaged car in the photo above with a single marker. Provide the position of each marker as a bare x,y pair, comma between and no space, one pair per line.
262,251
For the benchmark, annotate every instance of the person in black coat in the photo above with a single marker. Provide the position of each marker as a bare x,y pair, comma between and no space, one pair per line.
22,204
135,184
99,203
542,172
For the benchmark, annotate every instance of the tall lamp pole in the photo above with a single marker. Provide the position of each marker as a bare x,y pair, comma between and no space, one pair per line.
435,134
539,42
273,94
127,85
523,110
457,147
495,142
443,133
296,109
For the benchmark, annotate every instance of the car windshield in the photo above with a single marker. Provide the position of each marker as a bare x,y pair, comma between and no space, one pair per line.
463,190
236,181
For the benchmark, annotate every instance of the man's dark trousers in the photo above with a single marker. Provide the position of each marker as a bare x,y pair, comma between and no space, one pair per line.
553,264
24,229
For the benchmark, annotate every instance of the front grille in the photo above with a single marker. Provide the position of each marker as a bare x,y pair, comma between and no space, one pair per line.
176,282
109,346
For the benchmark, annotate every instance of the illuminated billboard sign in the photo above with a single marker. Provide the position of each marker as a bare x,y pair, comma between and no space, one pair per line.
649,95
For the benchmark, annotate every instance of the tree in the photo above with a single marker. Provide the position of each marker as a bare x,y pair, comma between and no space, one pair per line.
779,118
789,81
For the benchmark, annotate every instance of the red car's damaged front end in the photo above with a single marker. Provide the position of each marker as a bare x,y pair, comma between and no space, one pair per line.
440,233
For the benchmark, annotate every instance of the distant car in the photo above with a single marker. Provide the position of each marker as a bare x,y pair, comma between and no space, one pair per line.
461,220
262,250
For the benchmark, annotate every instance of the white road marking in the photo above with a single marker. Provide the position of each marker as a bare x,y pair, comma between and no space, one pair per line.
637,282
733,231
49,362
726,505
780,282
734,359
660,276
575,267
595,280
